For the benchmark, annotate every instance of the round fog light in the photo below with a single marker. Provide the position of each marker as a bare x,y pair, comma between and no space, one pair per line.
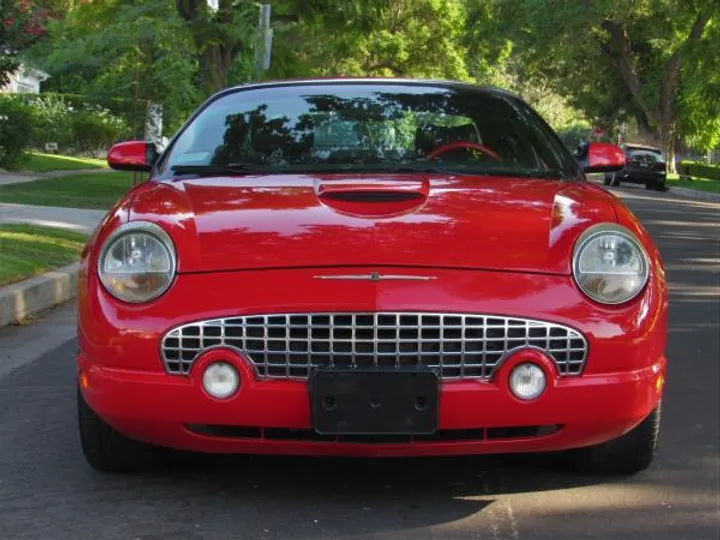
220,380
527,381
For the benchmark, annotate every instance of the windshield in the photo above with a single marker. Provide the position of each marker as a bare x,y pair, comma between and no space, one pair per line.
641,154
370,127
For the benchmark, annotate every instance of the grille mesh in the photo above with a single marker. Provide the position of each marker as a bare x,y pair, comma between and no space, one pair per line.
290,345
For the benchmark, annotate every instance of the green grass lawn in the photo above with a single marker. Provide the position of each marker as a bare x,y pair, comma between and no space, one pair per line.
50,162
92,190
700,184
28,250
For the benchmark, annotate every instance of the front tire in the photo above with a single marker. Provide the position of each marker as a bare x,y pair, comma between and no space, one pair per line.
628,454
107,450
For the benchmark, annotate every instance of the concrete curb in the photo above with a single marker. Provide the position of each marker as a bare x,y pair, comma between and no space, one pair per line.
694,194
32,296
687,193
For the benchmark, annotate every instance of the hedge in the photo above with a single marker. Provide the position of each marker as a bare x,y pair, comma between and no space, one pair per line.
77,125
16,128
694,169
133,113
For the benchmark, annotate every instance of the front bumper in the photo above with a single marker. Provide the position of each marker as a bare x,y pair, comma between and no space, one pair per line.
642,176
123,378
273,416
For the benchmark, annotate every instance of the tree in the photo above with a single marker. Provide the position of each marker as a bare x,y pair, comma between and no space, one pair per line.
219,37
699,104
131,50
610,55
23,24
401,38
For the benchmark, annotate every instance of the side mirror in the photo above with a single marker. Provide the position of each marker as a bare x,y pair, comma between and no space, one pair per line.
601,157
132,156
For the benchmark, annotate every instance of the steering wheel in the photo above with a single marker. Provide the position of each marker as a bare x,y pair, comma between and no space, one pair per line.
463,144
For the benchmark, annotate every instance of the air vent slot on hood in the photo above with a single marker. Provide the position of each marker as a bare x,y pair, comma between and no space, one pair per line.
373,196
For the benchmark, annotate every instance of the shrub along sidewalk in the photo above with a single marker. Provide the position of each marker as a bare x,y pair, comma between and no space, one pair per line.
29,250
99,190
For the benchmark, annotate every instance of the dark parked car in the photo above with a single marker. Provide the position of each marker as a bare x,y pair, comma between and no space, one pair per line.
643,165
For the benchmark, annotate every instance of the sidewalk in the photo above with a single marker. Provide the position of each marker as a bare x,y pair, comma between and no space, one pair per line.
36,295
685,193
76,219
7,178
80,220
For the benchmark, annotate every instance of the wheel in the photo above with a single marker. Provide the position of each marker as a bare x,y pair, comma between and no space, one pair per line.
650,185
615,181
607,180
107,450
628,454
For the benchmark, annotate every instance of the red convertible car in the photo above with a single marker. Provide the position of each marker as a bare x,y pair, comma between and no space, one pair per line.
370,268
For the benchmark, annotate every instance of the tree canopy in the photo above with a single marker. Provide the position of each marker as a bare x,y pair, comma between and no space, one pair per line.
614,59
653,62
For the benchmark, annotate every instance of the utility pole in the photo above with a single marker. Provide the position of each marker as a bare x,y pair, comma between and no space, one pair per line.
264,45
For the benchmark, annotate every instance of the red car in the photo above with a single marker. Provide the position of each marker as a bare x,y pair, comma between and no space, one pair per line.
370,267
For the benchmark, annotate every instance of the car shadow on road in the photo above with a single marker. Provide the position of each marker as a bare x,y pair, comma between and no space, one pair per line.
383,494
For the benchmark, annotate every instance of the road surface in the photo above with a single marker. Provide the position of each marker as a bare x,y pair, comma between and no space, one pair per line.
47,490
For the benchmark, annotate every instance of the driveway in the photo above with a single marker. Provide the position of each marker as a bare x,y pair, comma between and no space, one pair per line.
47,490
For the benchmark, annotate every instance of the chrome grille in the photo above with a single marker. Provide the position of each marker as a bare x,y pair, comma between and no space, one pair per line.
290,345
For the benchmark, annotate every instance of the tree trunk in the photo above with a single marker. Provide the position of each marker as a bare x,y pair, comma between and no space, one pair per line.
217,49
667,143
213,70
663,115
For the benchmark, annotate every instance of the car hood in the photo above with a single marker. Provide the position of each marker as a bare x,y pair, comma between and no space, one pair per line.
283,221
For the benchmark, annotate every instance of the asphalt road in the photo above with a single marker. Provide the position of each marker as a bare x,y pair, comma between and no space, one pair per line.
47,490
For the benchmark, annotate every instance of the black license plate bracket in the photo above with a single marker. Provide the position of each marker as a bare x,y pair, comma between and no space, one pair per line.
374,402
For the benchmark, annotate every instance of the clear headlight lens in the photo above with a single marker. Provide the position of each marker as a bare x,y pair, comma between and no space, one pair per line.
137,263
609,264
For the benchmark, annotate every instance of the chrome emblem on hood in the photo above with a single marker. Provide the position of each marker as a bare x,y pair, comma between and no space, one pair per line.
375,276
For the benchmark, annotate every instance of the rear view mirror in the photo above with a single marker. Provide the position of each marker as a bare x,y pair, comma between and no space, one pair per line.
601,157
132,156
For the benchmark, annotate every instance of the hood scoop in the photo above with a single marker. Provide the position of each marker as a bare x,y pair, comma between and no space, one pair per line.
373,198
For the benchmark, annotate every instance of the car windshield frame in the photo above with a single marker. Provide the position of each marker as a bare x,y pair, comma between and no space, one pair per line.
564,165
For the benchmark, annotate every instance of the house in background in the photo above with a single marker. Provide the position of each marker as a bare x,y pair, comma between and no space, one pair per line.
25,80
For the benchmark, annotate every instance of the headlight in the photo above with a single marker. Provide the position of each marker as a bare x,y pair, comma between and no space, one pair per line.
137,262
609,264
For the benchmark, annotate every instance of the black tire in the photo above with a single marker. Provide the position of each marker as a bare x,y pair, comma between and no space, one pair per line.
650,185
628,454
607,180
107,450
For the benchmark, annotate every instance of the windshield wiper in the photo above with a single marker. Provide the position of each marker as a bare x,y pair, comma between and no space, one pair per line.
546,173
215,170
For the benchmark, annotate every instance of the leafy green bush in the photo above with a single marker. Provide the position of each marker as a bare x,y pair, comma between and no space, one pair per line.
699,170
94,130
16,129
53,114
57,111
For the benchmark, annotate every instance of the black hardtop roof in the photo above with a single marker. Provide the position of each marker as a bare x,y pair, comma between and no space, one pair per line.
317,81
642,147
